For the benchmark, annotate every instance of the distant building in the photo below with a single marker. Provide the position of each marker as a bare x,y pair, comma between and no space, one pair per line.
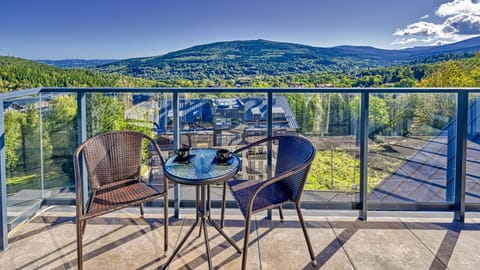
20,104
226,121
224,114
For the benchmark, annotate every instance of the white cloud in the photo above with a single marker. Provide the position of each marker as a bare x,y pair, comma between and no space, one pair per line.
420,29
462,21
405,42
457,7
425,17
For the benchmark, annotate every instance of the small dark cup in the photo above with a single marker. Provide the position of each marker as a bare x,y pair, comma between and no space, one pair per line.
183,153
223,155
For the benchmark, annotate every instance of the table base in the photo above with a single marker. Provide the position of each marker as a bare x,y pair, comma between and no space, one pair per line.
202,217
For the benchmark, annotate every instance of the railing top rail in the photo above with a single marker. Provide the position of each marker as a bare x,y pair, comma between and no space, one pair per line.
265,90
33,91
20,93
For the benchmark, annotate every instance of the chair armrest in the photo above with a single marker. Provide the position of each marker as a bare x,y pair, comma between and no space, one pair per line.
78,181
243,148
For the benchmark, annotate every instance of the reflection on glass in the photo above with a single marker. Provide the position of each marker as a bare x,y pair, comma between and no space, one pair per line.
330,121
412,147
472,189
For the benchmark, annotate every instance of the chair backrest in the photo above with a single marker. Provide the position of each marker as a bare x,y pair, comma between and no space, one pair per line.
112,156
294,151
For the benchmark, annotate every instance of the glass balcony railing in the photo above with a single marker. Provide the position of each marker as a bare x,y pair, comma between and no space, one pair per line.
377,149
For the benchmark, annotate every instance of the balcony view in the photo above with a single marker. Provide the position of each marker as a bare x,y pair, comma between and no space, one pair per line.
304,148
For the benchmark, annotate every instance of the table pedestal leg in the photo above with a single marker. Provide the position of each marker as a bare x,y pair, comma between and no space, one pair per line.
177,249
202,215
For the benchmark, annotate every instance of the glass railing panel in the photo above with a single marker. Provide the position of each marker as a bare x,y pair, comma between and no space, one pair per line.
330,121
105,112
148,113
225,120
472,187
23,148
411,148
59,141
222,120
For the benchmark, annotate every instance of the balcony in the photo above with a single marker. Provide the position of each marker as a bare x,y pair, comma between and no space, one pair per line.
125,241
377,150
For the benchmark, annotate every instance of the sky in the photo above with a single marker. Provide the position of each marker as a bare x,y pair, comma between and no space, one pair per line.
119,29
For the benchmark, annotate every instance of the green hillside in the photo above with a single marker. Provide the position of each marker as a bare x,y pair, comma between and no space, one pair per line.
253,58
230,60
17,73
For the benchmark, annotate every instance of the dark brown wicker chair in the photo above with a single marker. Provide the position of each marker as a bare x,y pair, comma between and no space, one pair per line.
294,157
113,161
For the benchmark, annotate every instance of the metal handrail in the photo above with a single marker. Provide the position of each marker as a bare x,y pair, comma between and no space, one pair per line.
460,131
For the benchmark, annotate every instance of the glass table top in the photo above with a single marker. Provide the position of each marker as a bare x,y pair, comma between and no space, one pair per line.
201,168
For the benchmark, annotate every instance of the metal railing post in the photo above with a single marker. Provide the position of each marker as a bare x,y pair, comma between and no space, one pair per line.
42,161
176,144
269,146
3,184
82,136
461,155
364,104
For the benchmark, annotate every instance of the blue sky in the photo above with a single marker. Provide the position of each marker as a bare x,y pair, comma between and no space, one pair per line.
59,29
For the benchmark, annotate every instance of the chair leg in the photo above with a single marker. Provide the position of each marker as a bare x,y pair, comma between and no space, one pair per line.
141,210
280,212
307,239
80,231
165,226
224,202
200,230
84,225
245,241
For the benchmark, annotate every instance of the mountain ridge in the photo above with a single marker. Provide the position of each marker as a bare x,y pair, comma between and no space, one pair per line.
248,58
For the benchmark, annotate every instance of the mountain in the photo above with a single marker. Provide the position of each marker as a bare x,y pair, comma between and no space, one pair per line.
17,73
236,59
76,63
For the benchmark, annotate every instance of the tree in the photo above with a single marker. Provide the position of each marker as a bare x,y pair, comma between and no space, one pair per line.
32,149
378,116
105,114
448,74
60,123
13,139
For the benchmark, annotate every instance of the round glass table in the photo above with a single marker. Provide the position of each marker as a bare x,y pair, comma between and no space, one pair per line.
201,169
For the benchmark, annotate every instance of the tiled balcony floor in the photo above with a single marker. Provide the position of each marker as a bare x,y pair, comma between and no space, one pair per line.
125,241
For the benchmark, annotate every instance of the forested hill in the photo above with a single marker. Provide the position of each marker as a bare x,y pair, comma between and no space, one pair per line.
17,73
237,59
76,63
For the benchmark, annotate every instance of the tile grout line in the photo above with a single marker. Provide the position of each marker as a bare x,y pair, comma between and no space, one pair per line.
258,242
338,241
423,243
176,242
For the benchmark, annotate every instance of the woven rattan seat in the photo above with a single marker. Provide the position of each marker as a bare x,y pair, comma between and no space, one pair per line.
115,196
113,163
272,195
292,164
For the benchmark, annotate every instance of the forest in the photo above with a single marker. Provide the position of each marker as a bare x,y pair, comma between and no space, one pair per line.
318,114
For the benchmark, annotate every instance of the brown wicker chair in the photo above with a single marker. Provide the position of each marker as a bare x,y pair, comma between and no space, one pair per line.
113,162
294,157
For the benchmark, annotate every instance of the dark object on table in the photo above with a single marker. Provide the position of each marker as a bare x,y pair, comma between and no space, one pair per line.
223,155
225,162
183,154
113,161
187,160
293,160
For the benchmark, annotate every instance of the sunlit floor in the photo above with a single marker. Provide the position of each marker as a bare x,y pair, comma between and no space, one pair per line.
123,240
